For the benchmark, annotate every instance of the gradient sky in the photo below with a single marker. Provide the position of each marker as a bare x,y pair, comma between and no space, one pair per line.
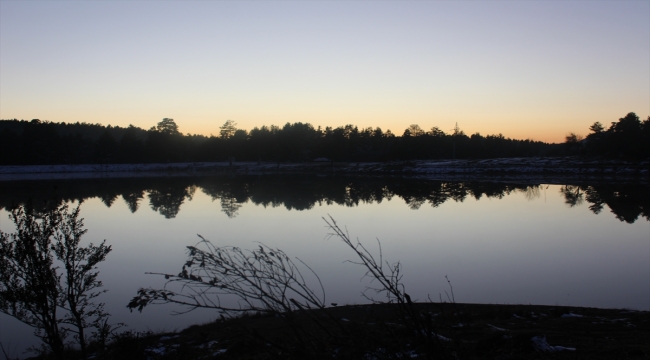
527,69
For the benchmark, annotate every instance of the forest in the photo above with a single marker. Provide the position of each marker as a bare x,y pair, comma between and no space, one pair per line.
41,142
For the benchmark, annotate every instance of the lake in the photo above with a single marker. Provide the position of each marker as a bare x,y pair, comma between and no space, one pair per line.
578,244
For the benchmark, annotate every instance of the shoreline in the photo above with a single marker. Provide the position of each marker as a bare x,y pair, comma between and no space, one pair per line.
474,331
545,170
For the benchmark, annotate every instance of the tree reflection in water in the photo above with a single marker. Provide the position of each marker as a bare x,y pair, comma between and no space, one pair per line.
572,195
132,199
532,192
168,199
628,202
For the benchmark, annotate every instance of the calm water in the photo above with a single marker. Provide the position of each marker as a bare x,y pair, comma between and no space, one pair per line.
578,245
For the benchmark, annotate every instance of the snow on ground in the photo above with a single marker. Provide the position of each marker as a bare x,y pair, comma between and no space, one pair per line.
540,344
571,315
562,166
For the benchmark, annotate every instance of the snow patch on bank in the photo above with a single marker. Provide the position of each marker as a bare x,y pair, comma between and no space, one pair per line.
501,167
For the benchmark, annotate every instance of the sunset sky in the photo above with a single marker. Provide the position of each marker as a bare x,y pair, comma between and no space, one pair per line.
526,69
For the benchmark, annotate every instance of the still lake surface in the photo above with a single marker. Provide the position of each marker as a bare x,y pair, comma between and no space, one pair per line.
501,243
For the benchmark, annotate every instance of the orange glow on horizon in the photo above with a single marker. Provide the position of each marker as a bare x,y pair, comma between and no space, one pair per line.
545,131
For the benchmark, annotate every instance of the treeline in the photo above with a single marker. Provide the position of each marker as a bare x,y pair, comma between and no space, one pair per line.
628,202
39,142
628,138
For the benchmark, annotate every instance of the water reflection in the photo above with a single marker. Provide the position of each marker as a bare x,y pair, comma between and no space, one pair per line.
628,202
167,200
521,243
625,202
572,195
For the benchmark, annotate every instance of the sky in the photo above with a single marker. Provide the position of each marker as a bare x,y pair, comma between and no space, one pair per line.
526,69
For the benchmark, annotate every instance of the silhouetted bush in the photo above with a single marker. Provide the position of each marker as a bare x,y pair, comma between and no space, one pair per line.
267,281
48,281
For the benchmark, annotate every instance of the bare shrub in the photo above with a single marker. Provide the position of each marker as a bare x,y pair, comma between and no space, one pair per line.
264,280
267,281
34,287
388,280
233,280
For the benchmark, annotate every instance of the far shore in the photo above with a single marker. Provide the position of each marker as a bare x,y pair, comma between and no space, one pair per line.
543,169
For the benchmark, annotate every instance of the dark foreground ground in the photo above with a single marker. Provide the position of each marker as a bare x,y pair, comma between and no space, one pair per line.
460,331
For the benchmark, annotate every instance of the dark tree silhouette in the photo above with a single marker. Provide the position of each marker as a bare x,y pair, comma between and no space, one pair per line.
131,146
228,129
167,126
628,138
34,288
106,149
44,142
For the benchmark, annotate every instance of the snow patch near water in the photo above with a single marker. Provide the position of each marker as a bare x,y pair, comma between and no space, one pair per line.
540,344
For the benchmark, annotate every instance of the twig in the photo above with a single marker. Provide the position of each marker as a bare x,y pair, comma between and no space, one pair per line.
4,352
